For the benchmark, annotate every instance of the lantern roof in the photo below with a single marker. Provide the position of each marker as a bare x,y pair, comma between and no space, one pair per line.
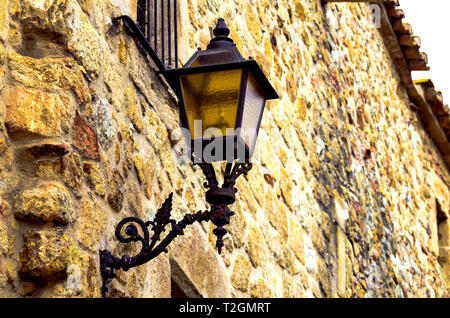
221,54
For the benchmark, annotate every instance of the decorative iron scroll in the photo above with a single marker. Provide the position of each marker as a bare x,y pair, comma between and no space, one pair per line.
109,262
128,230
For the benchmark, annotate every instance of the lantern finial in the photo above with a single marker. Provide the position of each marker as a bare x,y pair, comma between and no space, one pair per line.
221,28
221,40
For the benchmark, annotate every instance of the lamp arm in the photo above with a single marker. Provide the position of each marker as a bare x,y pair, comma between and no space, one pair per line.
109,262
219,215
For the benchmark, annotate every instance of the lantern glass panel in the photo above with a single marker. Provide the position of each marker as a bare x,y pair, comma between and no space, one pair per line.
253,109
213,99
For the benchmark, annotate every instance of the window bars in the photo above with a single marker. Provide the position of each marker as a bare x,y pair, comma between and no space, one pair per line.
157,20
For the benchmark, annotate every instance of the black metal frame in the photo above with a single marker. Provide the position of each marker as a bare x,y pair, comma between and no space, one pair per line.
219,215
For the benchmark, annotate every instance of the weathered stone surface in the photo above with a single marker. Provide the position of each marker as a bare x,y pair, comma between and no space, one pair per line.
245,193
286,187
341,266
44,256
55,74
286,259
4,236
256,247
95,177
73,172
47,203
3,146
133,108
9,182
241,273
323,276
198,260
66,18
92,221
159,282
318,239
276,214
256,179
341,210
296,241
123,52
105,127
252,21
85,138
35,112
140,166
260,289
291,287
4,207
238,225
116,191
145,173
4,25
157,133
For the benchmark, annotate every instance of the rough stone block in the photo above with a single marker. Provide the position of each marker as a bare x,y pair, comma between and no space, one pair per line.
444,233
159,282
57,74
4,23
66,18
323,275
199,261
286,187
238,225
296,241
46,203
245,193
95,177
133,108
276,213
116,191
35,112
341,266
45,255
241,273
256,247
85,138
260,289
318,239
91,224
105,124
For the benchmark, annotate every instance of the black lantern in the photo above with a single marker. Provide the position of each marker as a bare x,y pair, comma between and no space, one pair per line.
222,98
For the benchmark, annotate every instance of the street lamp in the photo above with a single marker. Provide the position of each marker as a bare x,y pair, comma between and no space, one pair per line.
222,98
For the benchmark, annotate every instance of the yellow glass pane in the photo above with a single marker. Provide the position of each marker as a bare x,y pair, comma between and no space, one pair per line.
211,98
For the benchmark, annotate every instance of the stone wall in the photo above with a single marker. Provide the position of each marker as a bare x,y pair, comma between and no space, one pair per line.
348,196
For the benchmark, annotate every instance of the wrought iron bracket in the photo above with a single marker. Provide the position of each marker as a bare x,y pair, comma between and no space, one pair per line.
219,215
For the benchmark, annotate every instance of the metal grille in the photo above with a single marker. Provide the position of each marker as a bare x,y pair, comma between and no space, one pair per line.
158,21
